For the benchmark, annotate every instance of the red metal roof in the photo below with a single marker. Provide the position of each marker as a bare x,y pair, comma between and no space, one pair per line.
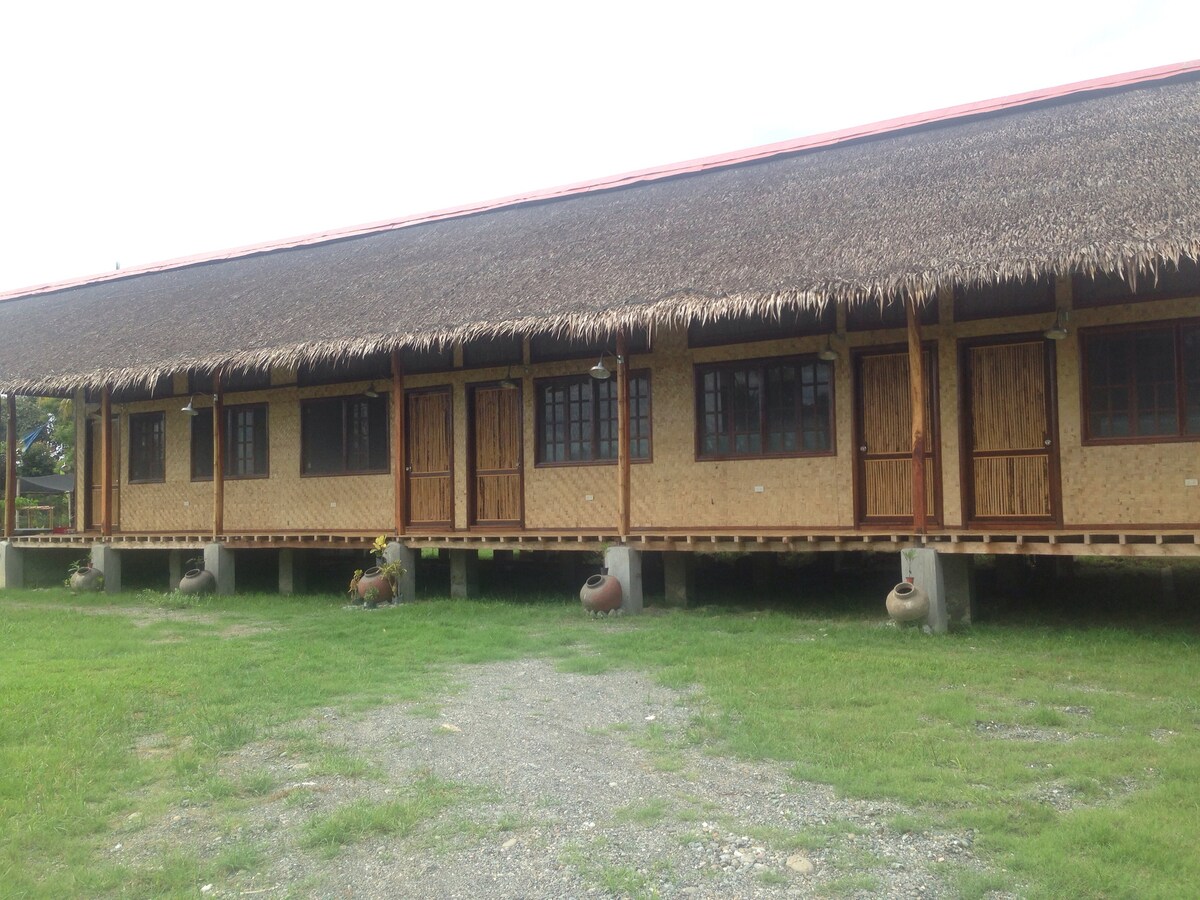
652,173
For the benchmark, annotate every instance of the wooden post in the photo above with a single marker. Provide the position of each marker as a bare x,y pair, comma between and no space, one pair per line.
399,449
622,435
10,470
106,461
218,413
916,392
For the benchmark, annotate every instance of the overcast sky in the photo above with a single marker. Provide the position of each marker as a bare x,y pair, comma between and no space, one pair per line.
135,132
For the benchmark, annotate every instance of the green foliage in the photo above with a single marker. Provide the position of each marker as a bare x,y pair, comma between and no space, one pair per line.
974,732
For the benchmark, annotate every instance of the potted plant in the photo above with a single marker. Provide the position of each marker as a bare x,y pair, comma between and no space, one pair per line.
377,584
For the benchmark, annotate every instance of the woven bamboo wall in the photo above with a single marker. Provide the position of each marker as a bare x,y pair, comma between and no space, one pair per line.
1134,484
1117,485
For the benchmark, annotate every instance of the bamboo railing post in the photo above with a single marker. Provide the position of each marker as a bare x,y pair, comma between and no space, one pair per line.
622,435
218,413
917,390
10,469
106,461
399,448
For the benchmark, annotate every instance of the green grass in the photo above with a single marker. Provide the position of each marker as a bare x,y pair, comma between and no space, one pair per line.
107,715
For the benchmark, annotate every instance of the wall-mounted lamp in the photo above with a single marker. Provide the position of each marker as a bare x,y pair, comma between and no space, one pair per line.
190,409
507,381
371,392
1058,330
599,371
827,353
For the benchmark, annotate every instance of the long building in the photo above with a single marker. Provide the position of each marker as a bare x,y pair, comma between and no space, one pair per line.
1022,271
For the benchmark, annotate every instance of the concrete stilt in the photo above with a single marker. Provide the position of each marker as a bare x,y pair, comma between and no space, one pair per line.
946,578
108,561
626,565
175,559
406,586
464,573
12,566
291,572
679,578
218,559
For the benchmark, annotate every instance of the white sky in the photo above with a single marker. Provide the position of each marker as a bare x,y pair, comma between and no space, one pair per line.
134,132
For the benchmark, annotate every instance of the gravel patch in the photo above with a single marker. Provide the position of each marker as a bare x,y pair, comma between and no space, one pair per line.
564,785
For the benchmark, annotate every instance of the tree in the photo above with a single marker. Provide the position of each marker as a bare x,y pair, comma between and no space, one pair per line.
37,460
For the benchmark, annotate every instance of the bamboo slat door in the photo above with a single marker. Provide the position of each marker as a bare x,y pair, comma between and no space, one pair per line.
884,440
430,467
1011,454
94,475
497,496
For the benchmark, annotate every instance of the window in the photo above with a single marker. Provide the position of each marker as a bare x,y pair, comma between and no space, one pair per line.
764,408
577,419
246,444
147,447
344,435
1142,383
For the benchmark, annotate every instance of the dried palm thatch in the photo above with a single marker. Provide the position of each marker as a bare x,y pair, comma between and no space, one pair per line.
1101,182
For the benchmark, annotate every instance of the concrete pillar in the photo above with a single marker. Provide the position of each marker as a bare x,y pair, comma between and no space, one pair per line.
626,565
12,567
406,585
175,560
108,561
291,573
218,559
679,578
946,578
464,573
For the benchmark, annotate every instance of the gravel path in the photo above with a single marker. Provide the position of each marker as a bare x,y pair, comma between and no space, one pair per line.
572,786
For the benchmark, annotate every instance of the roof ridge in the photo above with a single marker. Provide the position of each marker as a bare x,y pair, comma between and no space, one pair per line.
651,173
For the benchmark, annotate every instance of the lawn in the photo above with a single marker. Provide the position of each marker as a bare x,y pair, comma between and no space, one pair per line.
1071,751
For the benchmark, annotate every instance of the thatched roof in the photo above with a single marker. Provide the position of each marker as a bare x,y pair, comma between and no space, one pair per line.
1103,180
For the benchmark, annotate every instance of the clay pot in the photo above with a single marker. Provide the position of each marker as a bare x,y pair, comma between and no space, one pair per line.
374,587
87,579
198,581
907,603
601,593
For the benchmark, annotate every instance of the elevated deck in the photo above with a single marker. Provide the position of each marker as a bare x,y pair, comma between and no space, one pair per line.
1063,542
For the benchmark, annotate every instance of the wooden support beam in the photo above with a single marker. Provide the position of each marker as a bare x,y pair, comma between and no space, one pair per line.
622,435
399,445
10,470
218,525
106,461
917,391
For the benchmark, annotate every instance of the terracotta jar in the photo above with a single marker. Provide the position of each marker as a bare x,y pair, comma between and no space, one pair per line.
86,579
907,603
601,593
198,581
374,587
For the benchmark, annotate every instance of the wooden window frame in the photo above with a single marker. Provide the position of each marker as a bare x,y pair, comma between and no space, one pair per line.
228,470
762,365
540,420
1177,328
139,420
346,470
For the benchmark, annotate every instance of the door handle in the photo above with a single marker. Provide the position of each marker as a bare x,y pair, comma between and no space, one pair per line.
862,449
1046,442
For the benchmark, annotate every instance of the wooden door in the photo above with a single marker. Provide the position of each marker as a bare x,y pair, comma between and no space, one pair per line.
430,468
1010,452
497,491
94,474
883,428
